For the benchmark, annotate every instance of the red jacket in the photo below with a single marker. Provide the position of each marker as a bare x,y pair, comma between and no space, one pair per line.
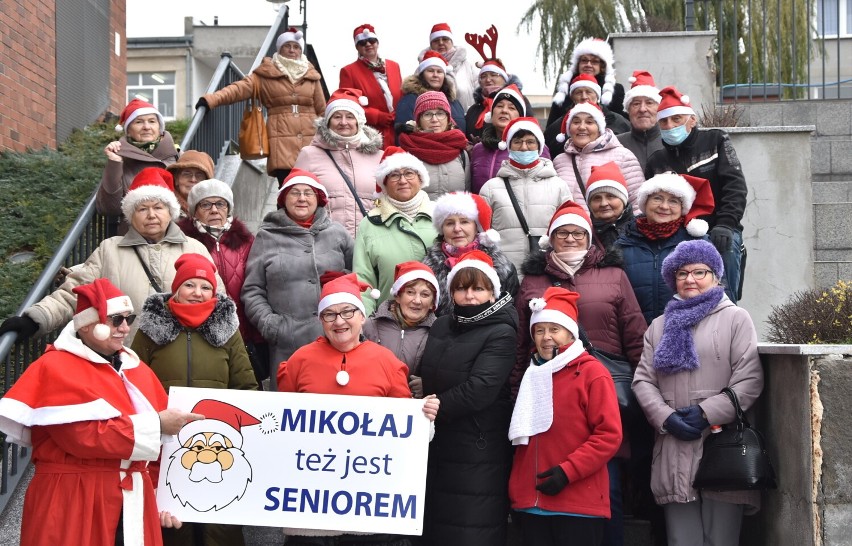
357,75
584,436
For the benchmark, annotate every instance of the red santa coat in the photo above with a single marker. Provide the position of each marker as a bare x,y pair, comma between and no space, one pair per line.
359,76
93,431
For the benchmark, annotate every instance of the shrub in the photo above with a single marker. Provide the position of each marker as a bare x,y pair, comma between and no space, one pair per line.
819,316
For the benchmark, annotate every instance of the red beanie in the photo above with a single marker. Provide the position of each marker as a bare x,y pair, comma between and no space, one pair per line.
193,266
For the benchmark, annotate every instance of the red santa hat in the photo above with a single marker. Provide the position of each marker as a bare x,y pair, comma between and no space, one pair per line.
152,183
193,266
673,102
292,34
407,272
298,176
394,159
219,417
476,259
522,124
590,46
568,213
586,108
441,30
364,32
694,193
495,66
136,108
585,80
607,178
95,302
470,206
349,100
513,95
433,58
344,289
559,305
642,86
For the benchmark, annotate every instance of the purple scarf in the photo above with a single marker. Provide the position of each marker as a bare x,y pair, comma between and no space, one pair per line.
676,351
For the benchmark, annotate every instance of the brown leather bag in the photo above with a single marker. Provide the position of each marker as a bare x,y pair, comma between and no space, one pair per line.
254,142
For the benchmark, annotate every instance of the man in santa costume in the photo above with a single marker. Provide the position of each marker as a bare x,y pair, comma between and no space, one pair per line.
93,414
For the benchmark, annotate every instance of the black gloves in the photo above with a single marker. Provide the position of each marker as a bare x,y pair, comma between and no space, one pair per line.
721,237
677,427
202,102
555,480
24,326
693,416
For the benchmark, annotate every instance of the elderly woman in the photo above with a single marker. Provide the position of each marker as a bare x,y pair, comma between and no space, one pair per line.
192,167
228,240
432,74
344,155
607,198
526,191
145,143
291,91
465,71
402,324
671,205
368,369
590,143
294,246
566,427
467,361
463,223
139,263
702,344
400,228
438,144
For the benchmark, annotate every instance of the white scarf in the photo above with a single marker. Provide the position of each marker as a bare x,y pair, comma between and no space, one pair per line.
533,411
410,208
569,261
294,69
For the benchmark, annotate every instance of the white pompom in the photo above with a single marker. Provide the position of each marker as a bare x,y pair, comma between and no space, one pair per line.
363,100
101,332
560,138
537,304
502,145
119,128
489,237
606,98
487,118
544,242
697,227
559,98
375,293
684,99
632,79
299,34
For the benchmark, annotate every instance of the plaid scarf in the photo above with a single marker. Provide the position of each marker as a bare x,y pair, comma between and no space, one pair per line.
655,231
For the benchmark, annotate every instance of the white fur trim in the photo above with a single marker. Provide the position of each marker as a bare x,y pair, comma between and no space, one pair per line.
671,183
441,34
490,67
143,112
401,161
149,193
566,219
307,180
114,306
285,37
480,265
533,128
341,297
557,317
406,278
697,227
585,83
586,108
674,110
602,50
365,34
642,91
133,510
146,436
454,204
210,425
610,186
433,61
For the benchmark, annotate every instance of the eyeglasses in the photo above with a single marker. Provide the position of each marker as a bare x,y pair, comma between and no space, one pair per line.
589,60
563,234
435,114
307,194
192,174
346,314
398,175
697,274
670,201
118,319
371,41
207,205
530,143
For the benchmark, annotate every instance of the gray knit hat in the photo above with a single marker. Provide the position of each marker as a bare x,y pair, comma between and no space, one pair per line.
210,188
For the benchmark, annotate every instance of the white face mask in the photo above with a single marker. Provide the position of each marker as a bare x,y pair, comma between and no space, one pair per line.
675,136
524,157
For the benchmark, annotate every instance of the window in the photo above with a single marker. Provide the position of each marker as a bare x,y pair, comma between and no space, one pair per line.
834,17
158,88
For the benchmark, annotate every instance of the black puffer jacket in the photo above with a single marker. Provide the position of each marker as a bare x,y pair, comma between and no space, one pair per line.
467,364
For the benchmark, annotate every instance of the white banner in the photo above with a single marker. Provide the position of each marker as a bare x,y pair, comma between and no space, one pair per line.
311,461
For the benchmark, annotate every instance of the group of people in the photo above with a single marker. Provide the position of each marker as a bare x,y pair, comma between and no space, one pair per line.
424,238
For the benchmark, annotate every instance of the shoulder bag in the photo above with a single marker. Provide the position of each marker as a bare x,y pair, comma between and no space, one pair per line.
622,375
254,141
577,175
349,183
735,457
532,239
148,274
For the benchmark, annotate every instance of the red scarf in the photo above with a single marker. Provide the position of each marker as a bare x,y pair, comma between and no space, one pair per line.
486,107
192,315
307,223
454,253
517,165
654,231
378,67
434,148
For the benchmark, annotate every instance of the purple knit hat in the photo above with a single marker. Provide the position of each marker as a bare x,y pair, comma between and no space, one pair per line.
697,251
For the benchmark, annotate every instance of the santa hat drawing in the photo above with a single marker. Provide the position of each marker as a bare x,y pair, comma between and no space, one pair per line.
220,417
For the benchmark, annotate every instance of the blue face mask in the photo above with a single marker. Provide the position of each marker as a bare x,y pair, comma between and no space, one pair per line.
524,157
675,136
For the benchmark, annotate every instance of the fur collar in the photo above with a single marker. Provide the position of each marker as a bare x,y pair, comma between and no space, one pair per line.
413,84
236,237
370,143
158,323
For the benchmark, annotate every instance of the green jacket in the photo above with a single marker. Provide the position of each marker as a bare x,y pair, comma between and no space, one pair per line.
386,238
211,356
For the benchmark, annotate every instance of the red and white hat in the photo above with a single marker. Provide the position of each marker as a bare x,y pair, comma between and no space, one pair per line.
568,213
433,58
396,158
559,305
152,183
407,272
607,178
298,176
292,34
476,259
585,80
345,289
364,32
522,124
136,108
586,108
512,94
470,206
95,302
441,30
643,86
193,266
495,66
590,46
219,417
673,102
694,193
349,100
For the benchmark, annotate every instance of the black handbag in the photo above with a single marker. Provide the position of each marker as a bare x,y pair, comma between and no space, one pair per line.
622,376
735,458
